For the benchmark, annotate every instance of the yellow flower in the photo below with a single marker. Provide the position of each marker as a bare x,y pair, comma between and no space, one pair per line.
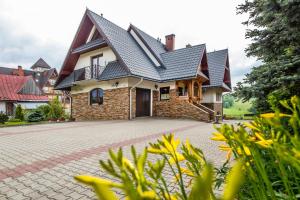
218,137
247,150
265,143
225,148
179,157
187,172
148,195
234,180
272,115
251,126
228,156
157,151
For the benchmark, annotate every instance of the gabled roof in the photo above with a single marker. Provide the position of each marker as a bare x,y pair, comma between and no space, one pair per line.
125,47
216,66
182,63
132,55
11,87
40,63
154,45
40,77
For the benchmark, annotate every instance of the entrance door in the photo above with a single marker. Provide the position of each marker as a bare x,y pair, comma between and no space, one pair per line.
142,102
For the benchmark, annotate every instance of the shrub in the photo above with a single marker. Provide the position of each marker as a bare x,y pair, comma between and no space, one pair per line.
267,150
14,120
56,109
3,118
19,113
143,179
270,148
35,116
45,110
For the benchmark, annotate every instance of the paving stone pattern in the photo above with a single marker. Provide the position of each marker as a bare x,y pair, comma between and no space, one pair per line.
40,161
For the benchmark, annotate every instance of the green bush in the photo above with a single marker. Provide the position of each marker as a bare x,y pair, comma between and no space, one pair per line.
3,118
56,109
35,116
266,150
45,110
270,148
19,113
14,120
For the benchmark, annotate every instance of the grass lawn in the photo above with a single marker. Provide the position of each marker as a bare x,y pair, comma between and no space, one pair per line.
7,124
238,109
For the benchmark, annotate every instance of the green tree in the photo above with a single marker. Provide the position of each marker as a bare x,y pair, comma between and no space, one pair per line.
19,113
228,100
274,28
56,109
3,118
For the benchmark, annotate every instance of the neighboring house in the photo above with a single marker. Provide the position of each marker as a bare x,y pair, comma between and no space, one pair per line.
219,80
19,90
43,75
112,73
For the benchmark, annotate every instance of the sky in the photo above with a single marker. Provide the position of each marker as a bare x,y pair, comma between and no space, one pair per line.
33,28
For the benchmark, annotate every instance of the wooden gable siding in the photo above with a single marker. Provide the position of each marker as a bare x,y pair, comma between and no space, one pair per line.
30,87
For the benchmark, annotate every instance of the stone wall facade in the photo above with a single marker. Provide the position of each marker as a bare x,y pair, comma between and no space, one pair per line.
217,107
177,107
115,106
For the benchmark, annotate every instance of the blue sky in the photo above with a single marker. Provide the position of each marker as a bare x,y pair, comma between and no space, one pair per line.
32,29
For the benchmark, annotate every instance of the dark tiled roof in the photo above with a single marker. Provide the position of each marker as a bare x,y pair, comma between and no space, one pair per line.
182,63
133,60
156,46
216,67
40,63
89,45
66,82
113,70
129,51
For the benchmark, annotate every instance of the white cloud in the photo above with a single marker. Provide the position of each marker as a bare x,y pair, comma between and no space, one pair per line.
45,29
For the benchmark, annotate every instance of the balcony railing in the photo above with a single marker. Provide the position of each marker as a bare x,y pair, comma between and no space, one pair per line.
88,73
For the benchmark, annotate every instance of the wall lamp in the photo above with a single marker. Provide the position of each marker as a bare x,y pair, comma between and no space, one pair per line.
156,86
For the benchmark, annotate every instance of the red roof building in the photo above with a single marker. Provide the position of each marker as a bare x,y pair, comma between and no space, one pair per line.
19,90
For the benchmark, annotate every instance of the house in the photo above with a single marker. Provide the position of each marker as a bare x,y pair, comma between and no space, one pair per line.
113,73
40,72
219,80
19,90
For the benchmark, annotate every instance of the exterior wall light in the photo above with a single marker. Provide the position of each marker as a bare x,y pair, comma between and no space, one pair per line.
156,86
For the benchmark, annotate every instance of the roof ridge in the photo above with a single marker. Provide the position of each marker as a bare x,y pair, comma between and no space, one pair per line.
218,50
183,48
105,19
147,34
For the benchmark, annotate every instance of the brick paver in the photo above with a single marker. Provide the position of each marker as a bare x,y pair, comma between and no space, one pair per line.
39,162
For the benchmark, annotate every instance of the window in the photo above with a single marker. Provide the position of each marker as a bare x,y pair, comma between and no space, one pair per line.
96,96
164,93
196,90
182,89
219,96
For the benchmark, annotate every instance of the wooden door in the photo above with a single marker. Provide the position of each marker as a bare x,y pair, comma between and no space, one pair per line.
143,102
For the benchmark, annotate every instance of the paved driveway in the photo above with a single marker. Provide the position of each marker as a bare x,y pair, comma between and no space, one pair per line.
39,162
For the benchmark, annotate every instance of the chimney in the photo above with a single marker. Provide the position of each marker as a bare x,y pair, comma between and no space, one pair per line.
170,42
20,71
